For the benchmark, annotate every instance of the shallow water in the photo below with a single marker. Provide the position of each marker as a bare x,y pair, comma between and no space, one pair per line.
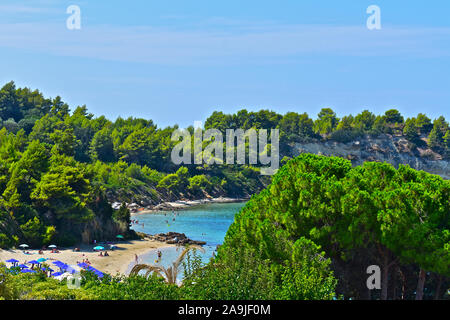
208,222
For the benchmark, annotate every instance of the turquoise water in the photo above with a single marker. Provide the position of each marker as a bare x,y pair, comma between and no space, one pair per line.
208,222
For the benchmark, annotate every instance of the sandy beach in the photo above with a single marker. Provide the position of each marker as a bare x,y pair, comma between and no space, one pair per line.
118,260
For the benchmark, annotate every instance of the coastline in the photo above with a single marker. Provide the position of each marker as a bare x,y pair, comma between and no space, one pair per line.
184,204
118,260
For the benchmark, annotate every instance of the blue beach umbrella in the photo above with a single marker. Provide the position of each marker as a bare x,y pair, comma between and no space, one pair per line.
28,271
13,261
70,269
40,260
33,262
47,269
99,248
23,266
56,274
83,265
62,266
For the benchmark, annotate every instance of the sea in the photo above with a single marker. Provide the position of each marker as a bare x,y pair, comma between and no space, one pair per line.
206,222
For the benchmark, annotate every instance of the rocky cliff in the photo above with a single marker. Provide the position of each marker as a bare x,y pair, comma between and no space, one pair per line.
385,148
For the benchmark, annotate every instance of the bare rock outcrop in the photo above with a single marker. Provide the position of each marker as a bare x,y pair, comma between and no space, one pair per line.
176,238
385,148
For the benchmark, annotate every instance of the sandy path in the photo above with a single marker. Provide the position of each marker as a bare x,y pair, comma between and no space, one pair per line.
117,262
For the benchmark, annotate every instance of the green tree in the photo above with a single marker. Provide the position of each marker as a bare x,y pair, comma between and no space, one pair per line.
102,146
364,121
436,137
423,123
410,131
393,116
296,127
326,121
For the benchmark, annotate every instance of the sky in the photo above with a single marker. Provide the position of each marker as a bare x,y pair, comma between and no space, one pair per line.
177,61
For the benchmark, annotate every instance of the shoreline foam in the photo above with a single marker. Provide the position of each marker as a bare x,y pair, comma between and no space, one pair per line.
185,204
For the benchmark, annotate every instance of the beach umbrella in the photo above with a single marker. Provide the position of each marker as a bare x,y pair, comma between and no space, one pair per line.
40,260
47,269
28,271
70,269
119,236
56,274
23,266
52,246
33,262
24,246
13,261
99,248
83,265
63,266
60,265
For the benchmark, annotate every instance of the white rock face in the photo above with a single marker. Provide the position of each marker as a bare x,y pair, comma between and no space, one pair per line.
390,149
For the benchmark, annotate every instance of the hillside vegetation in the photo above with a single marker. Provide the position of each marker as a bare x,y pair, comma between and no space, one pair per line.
358,216
60,170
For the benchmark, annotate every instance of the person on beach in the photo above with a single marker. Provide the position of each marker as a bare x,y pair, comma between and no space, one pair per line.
136,258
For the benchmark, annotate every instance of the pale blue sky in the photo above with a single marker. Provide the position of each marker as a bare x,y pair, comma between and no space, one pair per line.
177,61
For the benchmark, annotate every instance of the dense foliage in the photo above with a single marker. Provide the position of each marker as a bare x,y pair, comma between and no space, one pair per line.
420,131
59,171
367,215
310,235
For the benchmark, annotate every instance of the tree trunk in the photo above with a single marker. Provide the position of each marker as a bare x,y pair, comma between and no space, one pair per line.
438,288
384,279
369,294
403,284
394,281
420,284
